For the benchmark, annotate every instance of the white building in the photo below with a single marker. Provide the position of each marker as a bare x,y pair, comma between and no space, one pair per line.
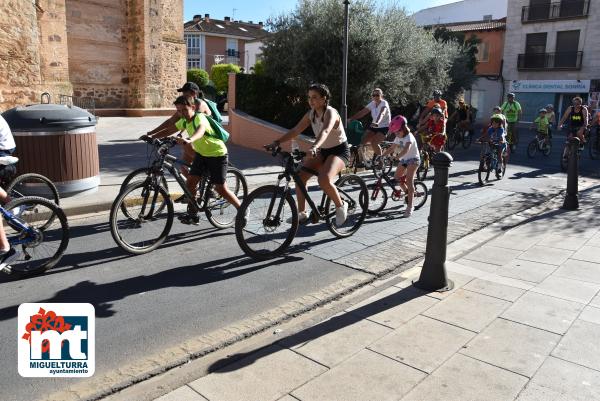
462,11
253,53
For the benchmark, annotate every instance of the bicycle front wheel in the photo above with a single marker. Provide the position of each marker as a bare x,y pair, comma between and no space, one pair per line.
452,140
139,175
420,196
377,198
43,239
354,192
532,148
138,222
423,168
266,223
32,184
219,212
483,174
467,139
564,158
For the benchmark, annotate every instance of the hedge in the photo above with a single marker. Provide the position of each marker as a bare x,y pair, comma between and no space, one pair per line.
218,74
198,76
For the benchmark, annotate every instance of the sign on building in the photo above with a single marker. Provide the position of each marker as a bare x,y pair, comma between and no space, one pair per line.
553,86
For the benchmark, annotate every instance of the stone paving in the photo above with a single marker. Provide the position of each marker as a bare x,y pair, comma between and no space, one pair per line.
522,322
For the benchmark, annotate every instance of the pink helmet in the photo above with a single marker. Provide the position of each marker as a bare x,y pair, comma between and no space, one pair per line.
397,123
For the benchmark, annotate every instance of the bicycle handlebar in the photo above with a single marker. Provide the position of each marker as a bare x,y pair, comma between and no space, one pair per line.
275,150
158,142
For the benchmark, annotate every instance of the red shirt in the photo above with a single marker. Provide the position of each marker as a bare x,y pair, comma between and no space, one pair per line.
436,128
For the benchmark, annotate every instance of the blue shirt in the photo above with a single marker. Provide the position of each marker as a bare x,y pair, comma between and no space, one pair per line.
496,135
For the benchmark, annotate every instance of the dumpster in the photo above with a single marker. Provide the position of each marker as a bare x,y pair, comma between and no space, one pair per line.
58,141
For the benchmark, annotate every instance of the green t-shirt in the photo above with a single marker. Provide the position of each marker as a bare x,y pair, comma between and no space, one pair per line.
208,145
511,111
542,124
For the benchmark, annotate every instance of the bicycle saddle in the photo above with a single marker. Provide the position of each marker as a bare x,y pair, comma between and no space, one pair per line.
8,160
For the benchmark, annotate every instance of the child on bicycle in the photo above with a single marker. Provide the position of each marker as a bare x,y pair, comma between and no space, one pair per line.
541,124
210,153
496,135
330,152
433,131
408,157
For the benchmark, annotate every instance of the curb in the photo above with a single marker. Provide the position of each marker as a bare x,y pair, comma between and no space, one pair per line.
201,346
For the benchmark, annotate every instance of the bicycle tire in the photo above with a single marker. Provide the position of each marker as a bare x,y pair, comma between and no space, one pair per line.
48,188
467,140
547,149
594,146
24,266
452,140
532,148
500,175
139,175
357,209
483,173
381,164
423,169
377,198
139,221
564,158
221,205
421,193
255,221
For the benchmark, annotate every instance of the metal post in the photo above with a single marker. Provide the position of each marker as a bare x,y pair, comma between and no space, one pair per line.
345,66
433,274
571,199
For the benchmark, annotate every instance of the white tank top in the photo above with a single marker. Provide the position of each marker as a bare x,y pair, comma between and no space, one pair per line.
337,135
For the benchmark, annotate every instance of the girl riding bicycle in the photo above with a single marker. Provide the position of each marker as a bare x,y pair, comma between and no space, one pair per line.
408,157
330,151
496,135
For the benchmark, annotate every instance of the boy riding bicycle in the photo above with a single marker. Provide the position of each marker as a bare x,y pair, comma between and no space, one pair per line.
542,125
433,131
496,135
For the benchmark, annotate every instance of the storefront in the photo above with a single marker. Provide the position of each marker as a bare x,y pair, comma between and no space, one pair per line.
536,94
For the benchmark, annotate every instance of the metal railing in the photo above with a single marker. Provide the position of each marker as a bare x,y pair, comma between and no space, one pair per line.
232,53
87,103
550,61
194,51
557,10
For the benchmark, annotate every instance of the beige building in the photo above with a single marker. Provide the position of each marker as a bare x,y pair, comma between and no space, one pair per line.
551,52
211,41
121,53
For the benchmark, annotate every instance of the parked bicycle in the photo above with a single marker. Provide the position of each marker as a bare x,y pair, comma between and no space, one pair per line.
459,135
541,143
29,184
268,218
37,228
489,162
142,215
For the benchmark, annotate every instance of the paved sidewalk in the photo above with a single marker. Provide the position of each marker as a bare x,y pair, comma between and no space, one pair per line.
522,322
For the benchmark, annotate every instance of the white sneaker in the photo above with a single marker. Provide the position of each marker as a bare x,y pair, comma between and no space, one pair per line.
341,214
302,218
408,211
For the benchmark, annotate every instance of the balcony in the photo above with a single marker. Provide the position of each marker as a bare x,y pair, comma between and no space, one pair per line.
193,51
232,53
553,11
550,61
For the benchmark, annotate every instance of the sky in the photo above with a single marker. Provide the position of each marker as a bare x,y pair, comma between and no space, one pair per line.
261,10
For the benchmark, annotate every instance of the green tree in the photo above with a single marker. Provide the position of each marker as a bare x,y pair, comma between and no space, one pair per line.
259,68
198,76
218,74
386,49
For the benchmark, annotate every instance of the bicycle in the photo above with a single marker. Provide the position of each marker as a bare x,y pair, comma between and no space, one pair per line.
594,143
268,218
489,162
29,184
459,135
565,154
379,197
37,228
148,204
511,139
541,143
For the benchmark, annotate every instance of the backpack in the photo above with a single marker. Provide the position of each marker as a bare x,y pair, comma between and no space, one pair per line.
212,106
218,131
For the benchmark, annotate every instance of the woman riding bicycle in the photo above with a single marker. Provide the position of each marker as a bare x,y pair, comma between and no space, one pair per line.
210,153
330,151
408,157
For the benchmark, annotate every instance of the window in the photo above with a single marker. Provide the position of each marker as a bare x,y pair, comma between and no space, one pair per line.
220,26
243,29
487,18
535,50
567,44
482,55
539,9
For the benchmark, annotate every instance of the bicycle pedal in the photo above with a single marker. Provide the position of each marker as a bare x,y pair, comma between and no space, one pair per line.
313,218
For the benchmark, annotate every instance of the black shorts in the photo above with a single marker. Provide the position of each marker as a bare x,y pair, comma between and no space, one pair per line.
342,151
216,167
379,130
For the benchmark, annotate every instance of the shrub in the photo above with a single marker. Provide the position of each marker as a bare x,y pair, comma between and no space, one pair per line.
198,76
259,68
218,74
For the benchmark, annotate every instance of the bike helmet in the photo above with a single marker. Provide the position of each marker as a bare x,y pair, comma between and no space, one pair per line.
550,106
437,93
498,109
397,123
510,94
436,110
498,118
542,111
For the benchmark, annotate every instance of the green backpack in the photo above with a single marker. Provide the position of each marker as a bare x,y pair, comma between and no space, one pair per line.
218,131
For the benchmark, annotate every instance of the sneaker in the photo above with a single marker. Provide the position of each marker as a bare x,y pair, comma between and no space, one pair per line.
302,218
408,211
191,219
181,199
6,258
341,214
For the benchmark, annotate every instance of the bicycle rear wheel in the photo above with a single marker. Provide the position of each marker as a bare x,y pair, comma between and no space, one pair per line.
452,140
377,198
354,159
219,212
420,196
138,223
266,223
354,192
44,241
32,184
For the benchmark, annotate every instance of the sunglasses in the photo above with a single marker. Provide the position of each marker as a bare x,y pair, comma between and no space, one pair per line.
375,95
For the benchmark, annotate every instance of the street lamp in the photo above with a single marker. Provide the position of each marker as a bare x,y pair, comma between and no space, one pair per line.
345,66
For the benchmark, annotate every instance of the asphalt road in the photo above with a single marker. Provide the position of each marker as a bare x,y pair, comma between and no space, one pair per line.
200,281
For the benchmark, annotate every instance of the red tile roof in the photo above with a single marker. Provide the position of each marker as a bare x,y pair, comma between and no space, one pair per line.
493,25
227,28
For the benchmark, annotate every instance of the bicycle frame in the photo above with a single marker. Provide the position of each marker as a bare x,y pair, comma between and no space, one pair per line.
17,224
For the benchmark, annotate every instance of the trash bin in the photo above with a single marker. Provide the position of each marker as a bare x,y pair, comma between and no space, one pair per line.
58,141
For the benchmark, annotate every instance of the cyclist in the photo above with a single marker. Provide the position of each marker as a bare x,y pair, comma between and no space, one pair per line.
7,141
551,115
577,114
513,112
408,157
380,115
541,124
330,152
210,153
8,254
438,102
462,116
433,131
496,135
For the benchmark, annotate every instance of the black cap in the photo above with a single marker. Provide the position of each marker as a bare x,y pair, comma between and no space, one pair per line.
189,86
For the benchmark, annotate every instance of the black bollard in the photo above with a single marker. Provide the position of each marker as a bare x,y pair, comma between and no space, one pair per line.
433,274
572,198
